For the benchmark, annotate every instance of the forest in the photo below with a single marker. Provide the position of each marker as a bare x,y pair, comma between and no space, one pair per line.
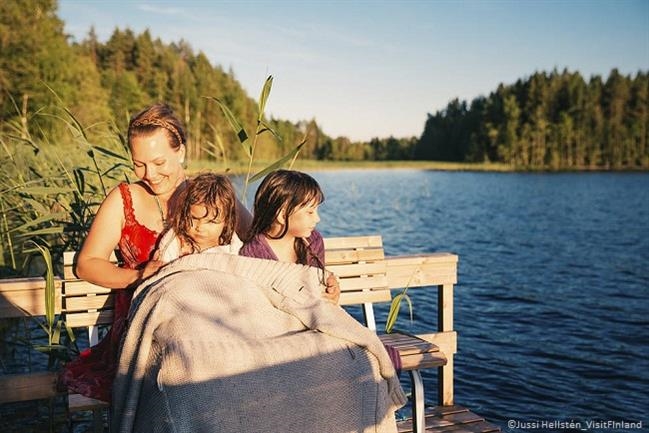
549,120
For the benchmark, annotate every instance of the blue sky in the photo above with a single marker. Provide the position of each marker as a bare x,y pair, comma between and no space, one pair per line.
368,69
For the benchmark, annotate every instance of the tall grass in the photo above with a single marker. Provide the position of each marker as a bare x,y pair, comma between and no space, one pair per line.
49,192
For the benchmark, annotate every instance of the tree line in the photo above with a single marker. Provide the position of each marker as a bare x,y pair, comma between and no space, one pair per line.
550,120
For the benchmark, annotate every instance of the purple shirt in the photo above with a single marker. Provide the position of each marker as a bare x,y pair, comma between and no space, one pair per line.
259,248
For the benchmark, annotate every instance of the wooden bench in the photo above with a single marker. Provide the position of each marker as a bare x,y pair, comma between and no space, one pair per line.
366,277
74,301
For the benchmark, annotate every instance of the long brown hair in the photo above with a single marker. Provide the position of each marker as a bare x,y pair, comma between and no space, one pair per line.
216,193
285,190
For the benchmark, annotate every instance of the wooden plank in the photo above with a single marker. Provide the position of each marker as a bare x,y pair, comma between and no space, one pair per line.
445,387
81,287
333,257
419,361
70,260
408,344
378,282
473,427
23,297
84,303
453,418
356,298
436,423
358,269
29,386
78,403
349,242
446,341
76,320
421,270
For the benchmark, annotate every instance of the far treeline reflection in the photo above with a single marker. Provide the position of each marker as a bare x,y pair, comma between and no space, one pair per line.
549,120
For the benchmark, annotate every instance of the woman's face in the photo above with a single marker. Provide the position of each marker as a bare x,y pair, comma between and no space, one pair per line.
303,221
157,163
206,228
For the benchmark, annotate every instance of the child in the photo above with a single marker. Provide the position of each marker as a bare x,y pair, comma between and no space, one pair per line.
203,219
284,220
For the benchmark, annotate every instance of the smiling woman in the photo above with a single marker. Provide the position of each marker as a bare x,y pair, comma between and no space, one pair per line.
130,219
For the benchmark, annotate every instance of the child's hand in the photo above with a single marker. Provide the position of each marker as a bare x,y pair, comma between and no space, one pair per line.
332,290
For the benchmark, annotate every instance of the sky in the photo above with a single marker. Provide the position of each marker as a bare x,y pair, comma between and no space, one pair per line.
365,69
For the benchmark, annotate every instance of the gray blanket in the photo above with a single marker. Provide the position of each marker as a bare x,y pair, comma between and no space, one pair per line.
221,343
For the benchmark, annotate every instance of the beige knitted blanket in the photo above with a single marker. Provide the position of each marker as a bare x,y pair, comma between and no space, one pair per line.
222,343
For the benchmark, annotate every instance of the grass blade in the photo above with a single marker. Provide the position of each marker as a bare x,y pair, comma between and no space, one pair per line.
277,164
265,93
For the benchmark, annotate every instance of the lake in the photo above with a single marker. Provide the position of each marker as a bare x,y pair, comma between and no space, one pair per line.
552,300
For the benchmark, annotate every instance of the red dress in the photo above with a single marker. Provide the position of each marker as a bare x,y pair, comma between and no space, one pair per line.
92,373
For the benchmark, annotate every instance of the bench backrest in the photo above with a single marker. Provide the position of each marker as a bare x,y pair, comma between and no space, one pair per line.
365,274
85,304
359,263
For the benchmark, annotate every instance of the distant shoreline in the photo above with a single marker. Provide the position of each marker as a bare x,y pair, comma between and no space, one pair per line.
240,167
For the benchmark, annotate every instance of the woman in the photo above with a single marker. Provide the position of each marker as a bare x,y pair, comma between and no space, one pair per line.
130,219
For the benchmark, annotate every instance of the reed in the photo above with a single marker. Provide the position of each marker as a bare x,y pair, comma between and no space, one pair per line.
249,146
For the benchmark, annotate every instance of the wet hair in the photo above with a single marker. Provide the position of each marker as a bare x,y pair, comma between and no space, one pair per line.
216,193
286,190
154,117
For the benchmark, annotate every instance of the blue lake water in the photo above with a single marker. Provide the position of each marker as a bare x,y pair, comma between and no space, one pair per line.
552,300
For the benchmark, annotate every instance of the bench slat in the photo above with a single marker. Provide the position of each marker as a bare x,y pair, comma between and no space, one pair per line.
95,302
30,386
408,344
379,282
69,260
358,269
419,271
81,287
336,257
21,297
356,298
79,403
348,242
75,320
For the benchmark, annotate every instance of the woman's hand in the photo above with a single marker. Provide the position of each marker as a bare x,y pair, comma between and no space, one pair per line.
151,267
332,289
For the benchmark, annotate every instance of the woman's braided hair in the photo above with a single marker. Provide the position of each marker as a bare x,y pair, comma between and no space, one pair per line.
154,117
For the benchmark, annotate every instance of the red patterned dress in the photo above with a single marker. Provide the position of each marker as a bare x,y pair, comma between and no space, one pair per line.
92,373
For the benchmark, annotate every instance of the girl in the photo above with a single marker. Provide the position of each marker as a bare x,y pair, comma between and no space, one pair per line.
204,219
284,219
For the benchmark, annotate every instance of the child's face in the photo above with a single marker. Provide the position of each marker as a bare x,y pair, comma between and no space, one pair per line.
303,221
205,229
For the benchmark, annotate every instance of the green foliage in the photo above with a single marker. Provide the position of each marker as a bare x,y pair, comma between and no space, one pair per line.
395,308
251,145
550,121
52,325
50,194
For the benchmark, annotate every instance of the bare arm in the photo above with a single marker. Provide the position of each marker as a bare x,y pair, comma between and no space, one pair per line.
93,261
